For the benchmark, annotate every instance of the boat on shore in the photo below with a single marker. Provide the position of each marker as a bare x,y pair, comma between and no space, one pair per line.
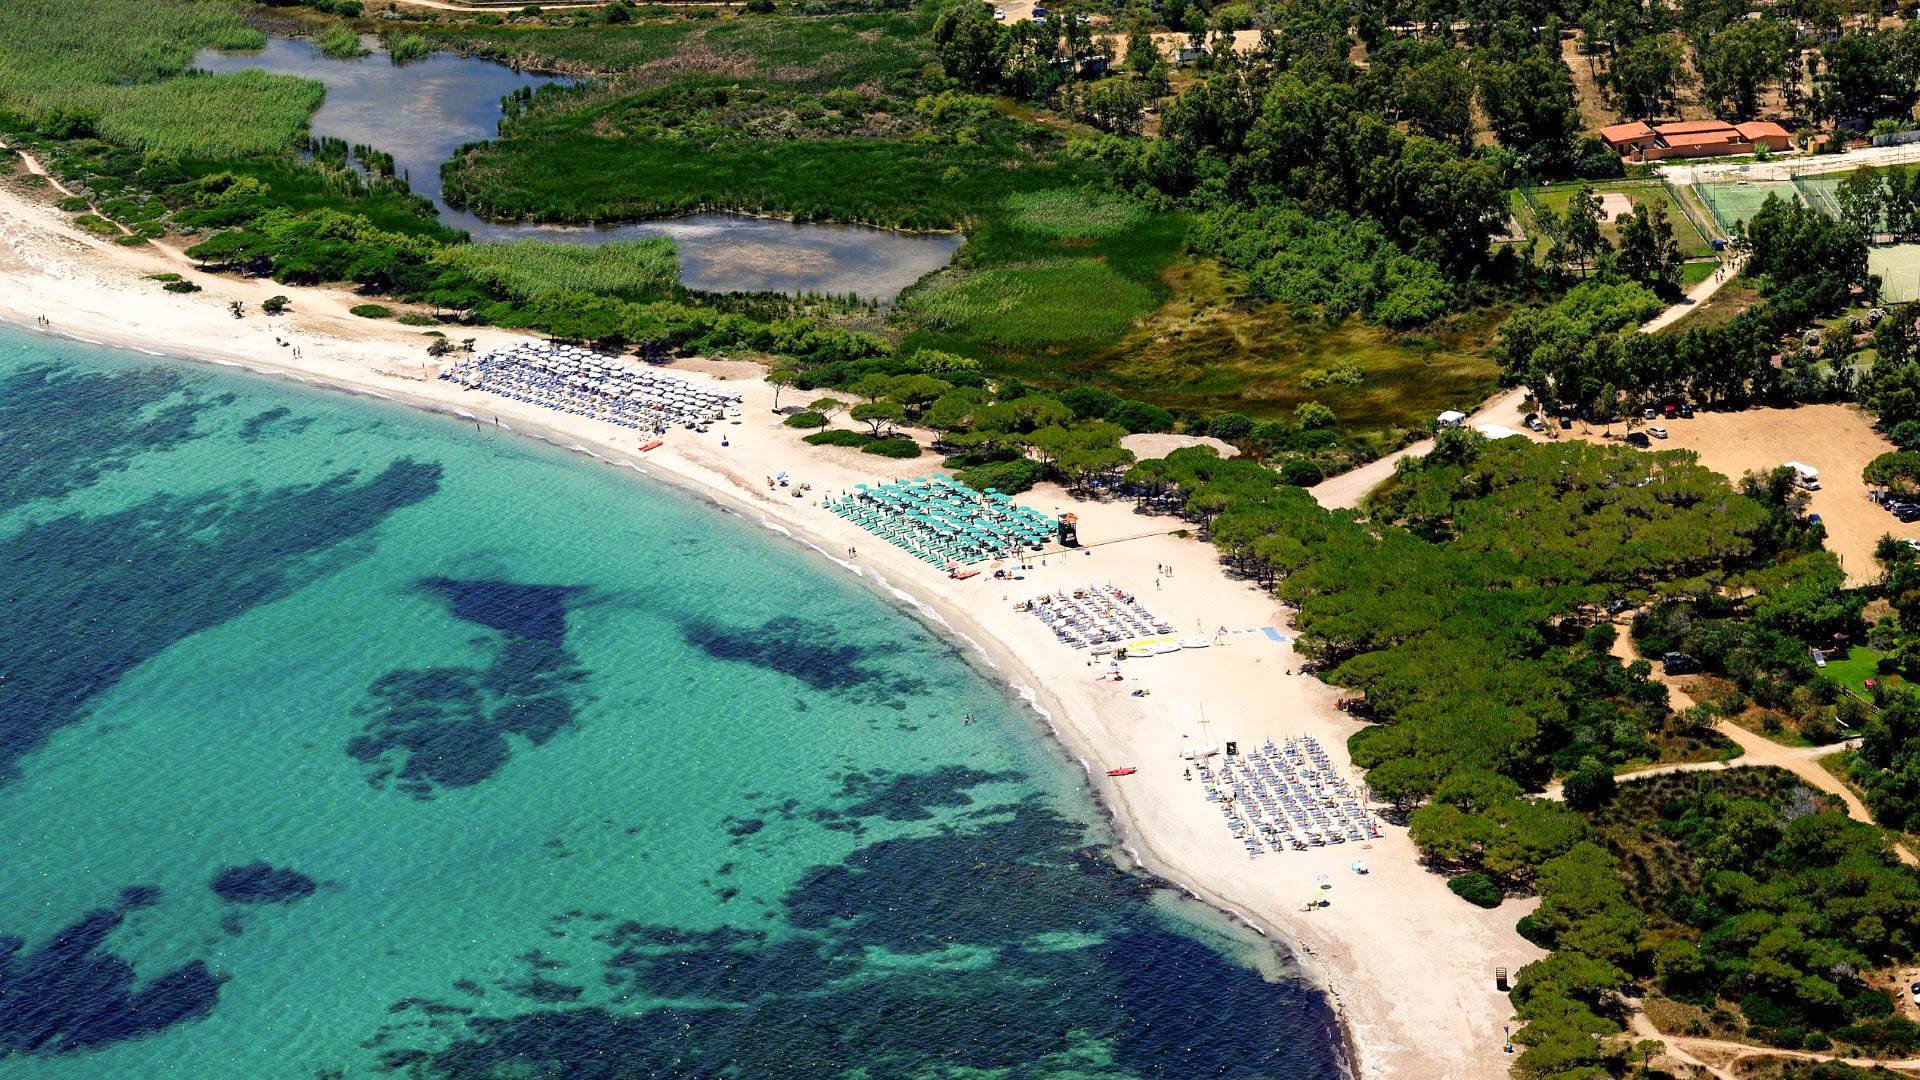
1124,770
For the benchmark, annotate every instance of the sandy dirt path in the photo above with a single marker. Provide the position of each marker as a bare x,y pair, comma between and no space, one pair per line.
1506,409
1407,964
1756,749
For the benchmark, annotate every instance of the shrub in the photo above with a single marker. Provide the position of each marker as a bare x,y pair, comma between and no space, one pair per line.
1301,473
1230,426
274,305
1089,402
1589,785
371,311
839,437
415,319
892,448
1310,415
1138,416
131,241
181,287
163,277
1008,477
808,419
1476,888
72,203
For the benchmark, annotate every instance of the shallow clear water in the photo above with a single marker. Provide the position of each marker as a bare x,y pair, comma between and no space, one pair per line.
339,740
422,111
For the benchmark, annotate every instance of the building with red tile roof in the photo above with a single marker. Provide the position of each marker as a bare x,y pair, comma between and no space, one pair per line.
1637,141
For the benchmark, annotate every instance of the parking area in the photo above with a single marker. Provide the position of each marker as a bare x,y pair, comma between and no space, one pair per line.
1837,440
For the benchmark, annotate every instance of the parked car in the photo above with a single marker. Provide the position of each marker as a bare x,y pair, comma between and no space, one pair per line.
1646,414
1616,606
1657,432
1679,663
1638,439
1686,412
1534,422
1566,423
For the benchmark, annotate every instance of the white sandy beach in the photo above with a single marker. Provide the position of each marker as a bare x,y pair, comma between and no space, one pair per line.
1409,965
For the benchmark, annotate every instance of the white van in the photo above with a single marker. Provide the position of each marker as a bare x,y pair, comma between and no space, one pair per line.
1805,475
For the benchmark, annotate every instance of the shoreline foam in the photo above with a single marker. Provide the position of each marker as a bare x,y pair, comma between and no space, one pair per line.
1408,974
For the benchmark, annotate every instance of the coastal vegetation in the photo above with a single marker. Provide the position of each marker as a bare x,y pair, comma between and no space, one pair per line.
1467,608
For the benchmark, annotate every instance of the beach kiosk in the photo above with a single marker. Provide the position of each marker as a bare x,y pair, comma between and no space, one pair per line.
1069,530
1450,418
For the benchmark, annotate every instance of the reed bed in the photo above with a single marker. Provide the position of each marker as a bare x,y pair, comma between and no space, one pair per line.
119,67
641,269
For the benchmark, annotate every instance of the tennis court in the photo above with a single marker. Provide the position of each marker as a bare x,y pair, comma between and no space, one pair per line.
1732,202
1818,192
1899,268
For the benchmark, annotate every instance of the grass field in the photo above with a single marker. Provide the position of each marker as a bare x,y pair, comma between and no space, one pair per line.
1555,197
1854,671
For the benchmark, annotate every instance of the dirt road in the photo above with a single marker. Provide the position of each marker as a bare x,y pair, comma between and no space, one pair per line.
1346,490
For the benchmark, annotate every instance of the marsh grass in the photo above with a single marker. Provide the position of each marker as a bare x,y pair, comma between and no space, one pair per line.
566,172
1030,300
216,116
340,41
405,48
804,52
114,68
1057,302
639,270
1072,212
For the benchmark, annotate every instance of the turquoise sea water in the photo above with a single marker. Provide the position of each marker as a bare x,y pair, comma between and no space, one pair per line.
339,740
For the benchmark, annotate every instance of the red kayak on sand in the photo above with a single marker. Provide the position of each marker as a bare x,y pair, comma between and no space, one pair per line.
648,446
1127,770
961,575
